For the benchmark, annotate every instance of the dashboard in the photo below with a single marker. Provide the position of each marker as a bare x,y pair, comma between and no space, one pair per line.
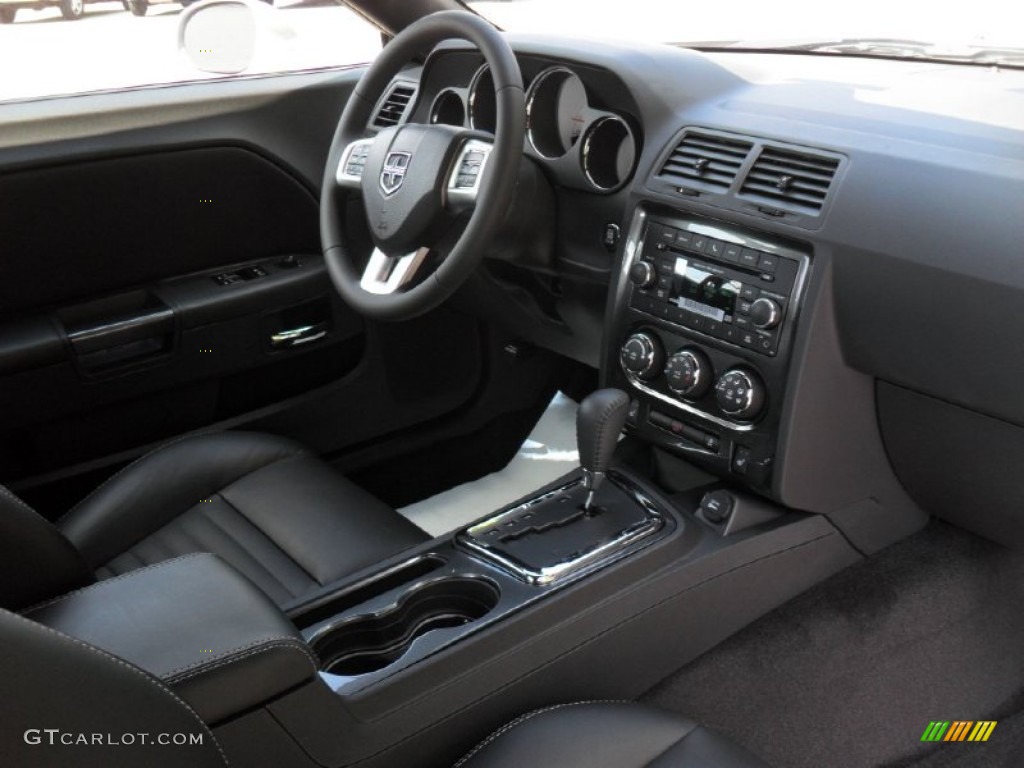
812,266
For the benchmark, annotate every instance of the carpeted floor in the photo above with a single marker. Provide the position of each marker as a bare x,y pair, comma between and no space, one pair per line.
851,672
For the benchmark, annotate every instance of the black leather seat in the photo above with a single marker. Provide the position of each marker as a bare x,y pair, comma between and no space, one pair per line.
607,735
266,505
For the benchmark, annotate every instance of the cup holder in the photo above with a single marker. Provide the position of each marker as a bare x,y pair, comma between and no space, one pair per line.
367,643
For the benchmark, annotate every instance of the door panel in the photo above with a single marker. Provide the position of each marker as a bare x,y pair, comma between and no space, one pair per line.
149,287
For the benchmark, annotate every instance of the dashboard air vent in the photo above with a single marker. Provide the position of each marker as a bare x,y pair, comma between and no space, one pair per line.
705,158
394,105
791,180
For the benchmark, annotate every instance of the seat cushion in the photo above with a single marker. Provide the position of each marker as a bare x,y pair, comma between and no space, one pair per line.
267,506
607,735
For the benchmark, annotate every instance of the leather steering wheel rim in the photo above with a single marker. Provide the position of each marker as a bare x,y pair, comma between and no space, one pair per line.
496,188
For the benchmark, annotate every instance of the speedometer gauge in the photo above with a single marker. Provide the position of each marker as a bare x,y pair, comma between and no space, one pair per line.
556,111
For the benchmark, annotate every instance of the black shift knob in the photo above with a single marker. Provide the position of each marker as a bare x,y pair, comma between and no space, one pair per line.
599,420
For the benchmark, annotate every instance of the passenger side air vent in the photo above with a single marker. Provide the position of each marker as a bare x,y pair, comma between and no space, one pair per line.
790,180
394,105
706,158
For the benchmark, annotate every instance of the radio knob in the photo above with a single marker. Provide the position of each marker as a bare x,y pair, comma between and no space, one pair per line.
642,355
642,274
689,373
765,313
740,394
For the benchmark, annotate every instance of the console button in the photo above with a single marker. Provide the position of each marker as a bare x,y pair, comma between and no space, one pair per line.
688,373
732,253
717,506
683,237
741,460
714,248
699,242
740,393
749,292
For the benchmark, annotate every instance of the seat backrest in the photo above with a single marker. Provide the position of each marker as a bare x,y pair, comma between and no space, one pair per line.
36,560
64,702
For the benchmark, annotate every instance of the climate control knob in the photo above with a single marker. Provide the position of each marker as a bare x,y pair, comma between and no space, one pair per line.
765,313
689,373
643,275
740,394
642,355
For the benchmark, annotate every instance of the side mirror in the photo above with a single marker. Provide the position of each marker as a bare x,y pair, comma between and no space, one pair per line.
227,36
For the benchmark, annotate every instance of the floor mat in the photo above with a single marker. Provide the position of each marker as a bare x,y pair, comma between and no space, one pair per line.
548,453
852,672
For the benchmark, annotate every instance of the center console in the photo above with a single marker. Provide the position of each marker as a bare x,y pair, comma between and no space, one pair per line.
701,336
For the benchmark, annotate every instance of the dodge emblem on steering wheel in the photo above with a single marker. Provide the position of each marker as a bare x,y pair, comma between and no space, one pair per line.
393,174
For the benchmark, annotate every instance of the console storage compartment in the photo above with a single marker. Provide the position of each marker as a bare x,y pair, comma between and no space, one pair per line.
365,643
197,624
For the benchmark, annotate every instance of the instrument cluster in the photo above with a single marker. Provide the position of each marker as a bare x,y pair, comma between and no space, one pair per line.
583,145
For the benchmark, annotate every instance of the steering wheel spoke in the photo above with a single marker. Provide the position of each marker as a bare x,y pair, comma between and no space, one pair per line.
349,173
467,174
389,274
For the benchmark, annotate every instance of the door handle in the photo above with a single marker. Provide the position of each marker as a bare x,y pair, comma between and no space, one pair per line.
294,337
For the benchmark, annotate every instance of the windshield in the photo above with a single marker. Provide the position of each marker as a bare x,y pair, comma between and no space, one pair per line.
985,31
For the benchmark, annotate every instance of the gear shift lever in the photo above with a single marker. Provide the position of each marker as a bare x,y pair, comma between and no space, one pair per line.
599,420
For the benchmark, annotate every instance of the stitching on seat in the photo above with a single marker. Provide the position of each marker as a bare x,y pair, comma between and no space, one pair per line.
105,582
132,668
146,455
156,450
20,504
233,655
523,718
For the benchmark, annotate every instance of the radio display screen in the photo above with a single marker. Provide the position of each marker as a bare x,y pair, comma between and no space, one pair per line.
700,291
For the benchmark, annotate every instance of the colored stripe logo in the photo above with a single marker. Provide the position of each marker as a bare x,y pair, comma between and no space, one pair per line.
959,730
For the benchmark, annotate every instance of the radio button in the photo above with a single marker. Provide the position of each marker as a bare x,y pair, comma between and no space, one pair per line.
749,258
749,292
698,243
642,274
768,263
741,322
714,248
732,253
765,313
683,237
743,307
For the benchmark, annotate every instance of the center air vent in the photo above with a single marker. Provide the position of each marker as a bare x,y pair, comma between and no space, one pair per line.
394,105
797,181
708,159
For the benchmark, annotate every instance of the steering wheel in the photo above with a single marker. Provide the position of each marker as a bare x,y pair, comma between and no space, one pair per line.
417,180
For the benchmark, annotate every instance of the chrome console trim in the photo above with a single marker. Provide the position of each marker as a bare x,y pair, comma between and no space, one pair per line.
653,521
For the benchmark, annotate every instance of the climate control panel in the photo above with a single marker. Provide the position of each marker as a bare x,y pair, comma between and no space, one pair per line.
689,375
701,337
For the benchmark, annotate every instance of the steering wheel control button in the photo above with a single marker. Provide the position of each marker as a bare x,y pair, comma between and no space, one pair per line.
688,373
765,313
740,394
357,159
642,355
